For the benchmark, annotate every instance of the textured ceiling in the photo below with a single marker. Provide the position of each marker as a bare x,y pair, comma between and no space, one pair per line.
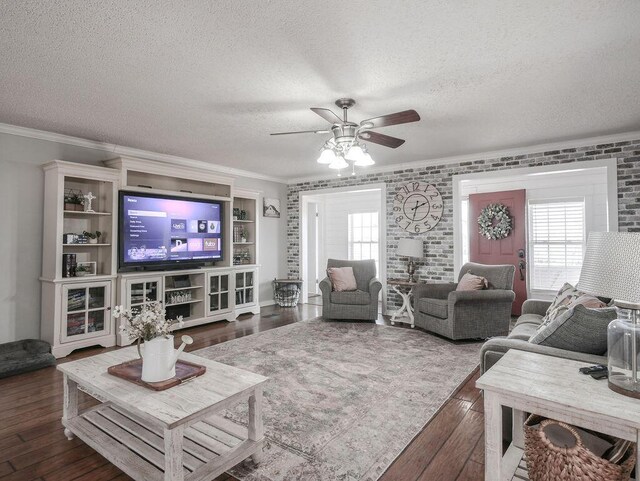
210,79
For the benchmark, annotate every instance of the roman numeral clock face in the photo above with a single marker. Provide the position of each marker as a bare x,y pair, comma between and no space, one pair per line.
417,207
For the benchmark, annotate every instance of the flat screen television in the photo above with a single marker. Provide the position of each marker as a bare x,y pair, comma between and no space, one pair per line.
168,232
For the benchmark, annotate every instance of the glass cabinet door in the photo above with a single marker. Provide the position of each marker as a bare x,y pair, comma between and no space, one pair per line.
142,292
218,293
244,287
86,310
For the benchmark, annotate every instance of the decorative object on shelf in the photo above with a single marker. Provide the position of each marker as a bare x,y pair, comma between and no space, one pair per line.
240,234
346,144
243,214
178,297
88,198
84,269
417,207
149,324
495,222
69,265
242,256
73,200
286,292
411,248
74,239
236,213
93,237
271,207
611,268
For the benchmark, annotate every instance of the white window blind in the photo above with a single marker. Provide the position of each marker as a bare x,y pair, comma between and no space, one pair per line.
556,242
363,237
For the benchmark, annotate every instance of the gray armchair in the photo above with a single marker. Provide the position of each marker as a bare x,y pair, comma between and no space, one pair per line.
457,315
361,304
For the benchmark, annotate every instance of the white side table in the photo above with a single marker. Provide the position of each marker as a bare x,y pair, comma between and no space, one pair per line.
551,387
405,313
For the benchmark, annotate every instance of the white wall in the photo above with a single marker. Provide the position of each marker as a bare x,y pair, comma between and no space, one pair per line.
21,214
335,211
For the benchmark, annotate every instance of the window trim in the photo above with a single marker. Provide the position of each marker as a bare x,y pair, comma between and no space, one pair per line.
350,242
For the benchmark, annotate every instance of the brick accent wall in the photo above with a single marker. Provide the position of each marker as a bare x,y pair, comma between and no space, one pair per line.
438,264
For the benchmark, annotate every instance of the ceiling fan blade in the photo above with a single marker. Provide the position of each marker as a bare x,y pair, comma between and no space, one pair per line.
381,139
327,114
303,132
403,117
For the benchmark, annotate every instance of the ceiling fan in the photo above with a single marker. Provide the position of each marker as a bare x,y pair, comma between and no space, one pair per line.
346,143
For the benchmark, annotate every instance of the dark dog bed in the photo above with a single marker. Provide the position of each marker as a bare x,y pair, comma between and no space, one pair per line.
24,356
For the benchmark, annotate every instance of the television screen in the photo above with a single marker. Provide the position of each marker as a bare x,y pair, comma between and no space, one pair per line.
159,230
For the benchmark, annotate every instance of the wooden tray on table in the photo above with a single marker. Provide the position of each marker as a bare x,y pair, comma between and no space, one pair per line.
132,371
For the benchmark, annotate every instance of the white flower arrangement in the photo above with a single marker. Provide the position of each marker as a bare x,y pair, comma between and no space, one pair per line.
503,226
148,322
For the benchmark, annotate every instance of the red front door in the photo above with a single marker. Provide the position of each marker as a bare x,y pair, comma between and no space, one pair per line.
511,249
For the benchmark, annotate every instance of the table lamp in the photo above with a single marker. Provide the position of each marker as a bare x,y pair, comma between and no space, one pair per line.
410,248
611,268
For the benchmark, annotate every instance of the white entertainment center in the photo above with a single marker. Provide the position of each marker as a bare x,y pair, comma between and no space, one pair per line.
77,311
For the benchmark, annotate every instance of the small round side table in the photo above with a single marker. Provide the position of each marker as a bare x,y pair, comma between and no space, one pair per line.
405,313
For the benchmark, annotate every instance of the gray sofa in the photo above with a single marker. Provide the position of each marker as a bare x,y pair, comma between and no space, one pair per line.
527,324
361,304
457,315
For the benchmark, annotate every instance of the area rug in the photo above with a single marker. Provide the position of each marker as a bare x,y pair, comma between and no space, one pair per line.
343,399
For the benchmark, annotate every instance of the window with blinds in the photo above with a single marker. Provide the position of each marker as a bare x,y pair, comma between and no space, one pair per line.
556,242
363,237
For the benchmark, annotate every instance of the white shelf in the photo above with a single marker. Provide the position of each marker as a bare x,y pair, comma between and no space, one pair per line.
173,289
244,221
243,243
82,213
192,301
86,245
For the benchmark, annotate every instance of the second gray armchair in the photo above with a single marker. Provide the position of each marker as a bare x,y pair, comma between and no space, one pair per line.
361,304
457,315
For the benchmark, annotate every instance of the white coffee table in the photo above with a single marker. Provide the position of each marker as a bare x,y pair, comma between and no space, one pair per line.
172,435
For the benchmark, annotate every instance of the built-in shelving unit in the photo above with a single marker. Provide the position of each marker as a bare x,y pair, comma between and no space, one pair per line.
77,311
245,227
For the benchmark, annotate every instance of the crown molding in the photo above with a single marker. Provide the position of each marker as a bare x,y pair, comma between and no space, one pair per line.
132,152
567,144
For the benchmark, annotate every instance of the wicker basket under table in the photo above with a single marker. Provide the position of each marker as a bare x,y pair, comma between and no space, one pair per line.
548,462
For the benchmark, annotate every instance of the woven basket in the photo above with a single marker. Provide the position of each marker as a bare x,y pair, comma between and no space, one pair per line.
548,462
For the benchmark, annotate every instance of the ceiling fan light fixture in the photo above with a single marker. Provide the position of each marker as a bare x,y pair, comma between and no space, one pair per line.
355,154
338,163
327,156
365,161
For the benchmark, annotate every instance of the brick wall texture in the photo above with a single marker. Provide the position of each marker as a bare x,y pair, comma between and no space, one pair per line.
438,263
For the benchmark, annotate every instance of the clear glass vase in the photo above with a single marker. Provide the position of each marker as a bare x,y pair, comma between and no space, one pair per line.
623,342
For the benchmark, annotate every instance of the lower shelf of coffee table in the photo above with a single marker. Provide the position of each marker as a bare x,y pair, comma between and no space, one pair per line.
210,447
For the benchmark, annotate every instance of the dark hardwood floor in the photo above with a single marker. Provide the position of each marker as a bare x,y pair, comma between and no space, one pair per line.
33,447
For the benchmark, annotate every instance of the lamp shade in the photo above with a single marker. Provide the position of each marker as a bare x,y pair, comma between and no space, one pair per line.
611,266
410,248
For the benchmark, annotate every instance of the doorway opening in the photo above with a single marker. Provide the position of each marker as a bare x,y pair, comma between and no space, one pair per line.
561,205
344,223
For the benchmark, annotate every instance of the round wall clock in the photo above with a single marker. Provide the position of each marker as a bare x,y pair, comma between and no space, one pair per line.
417,207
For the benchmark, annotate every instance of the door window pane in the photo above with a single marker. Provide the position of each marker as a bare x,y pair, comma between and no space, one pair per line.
96,321
75,324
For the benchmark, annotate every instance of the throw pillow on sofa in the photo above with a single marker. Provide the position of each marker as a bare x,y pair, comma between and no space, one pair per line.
471,282
564,297
342,279
578,329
